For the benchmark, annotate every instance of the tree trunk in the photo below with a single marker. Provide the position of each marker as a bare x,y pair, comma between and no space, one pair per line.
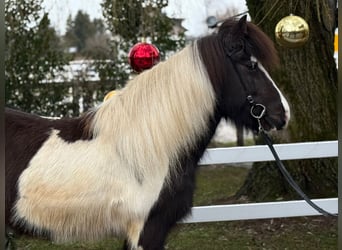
308,78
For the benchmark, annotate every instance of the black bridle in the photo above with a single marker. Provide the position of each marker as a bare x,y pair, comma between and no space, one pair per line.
258,111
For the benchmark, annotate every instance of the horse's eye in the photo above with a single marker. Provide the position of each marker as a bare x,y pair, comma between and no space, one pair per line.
252,65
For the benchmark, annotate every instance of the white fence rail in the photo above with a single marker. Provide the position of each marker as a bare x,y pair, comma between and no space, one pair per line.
289,151
286,151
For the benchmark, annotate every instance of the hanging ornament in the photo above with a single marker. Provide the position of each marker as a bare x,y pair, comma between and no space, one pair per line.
109,95
143,56
292,31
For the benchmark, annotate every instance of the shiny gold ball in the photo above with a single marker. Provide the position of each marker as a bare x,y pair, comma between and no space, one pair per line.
292,31
109,95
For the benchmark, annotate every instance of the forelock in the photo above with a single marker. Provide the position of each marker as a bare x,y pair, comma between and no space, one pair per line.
257,43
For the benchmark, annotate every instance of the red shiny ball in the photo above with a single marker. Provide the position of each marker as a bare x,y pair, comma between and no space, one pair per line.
143,56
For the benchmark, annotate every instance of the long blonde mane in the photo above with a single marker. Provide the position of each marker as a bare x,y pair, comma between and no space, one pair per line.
159,113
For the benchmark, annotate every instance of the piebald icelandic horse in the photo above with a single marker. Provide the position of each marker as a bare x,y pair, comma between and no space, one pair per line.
128,166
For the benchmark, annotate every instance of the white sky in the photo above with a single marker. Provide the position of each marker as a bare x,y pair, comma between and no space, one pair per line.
195,12
59,10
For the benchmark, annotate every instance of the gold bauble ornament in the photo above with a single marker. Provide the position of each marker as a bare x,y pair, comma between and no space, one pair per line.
109,95
292,31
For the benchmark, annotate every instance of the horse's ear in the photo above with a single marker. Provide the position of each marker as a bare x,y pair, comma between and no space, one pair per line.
241,26
233,34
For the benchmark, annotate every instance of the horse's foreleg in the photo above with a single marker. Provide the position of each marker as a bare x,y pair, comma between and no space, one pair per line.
155,233
173,204
163,218
156,229
133,233
153,238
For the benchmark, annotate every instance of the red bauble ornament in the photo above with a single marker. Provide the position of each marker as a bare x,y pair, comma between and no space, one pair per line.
143,56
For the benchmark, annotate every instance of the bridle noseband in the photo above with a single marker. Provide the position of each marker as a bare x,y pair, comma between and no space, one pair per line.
255,113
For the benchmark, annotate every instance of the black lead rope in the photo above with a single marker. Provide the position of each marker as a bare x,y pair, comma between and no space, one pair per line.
289,178
258,111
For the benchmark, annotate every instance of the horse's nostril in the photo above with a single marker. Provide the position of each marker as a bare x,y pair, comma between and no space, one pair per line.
283,123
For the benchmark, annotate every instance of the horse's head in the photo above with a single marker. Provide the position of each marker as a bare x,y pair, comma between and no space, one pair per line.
240,76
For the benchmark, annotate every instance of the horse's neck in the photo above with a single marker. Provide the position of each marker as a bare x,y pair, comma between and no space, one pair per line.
162,111
203,141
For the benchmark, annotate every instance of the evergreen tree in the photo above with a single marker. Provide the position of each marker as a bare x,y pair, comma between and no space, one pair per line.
32,53
69,39
81,29
133,21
